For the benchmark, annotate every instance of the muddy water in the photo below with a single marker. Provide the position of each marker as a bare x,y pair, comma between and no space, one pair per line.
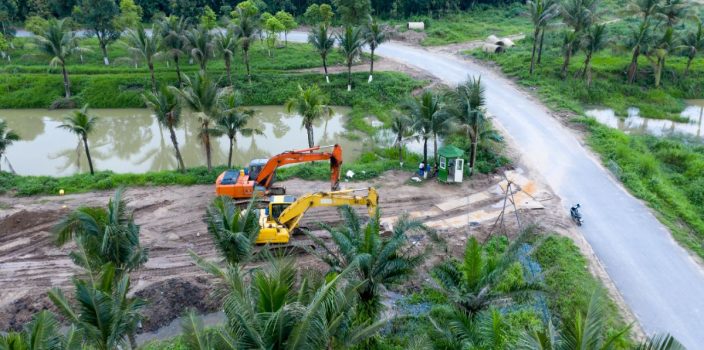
634,123
131,141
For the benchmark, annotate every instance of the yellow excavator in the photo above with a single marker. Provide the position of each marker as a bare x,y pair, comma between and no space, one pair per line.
281,218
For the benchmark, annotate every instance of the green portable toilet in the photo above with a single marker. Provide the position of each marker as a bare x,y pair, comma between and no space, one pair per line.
451,167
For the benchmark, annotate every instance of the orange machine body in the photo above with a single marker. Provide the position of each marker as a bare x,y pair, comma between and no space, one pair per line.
259,176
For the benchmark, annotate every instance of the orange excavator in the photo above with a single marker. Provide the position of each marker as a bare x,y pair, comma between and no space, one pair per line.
258,178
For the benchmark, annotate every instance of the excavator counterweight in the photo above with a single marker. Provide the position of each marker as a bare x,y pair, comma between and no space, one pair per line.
257,179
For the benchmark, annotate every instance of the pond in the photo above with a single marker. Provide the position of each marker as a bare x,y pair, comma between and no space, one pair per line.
634,123
131,141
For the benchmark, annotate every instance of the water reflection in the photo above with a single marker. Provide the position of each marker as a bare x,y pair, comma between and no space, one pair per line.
634,123
130,140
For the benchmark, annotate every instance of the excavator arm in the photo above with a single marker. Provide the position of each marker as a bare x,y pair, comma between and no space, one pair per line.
266,175
292,215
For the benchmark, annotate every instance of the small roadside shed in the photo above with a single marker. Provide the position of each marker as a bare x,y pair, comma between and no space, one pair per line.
451,167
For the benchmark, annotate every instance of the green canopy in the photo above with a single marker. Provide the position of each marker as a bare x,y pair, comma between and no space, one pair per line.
450,152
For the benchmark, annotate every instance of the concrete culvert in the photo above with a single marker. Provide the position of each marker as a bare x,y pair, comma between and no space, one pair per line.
492,48
416,25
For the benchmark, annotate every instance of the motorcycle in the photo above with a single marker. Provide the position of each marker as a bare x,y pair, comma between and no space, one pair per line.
576,215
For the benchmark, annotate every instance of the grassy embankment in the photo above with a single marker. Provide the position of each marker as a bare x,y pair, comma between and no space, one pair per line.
567,288
667,173
475,24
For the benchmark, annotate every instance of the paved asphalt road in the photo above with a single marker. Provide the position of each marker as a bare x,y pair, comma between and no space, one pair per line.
660,282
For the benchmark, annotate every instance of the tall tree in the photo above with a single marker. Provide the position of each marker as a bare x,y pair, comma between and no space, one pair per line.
98,16
81,124
658,52
288,22
172,30
376,262
375,34
103,236
641,35
595,39
226,43
145,46
353,12
351,41
693,43
58,43
273,27
246,27
541,12
233,120
167,110
319,15
202,95
469,101
208,19
130,15
7,138
422,110
402,127
323,41
104,314
200,43
312,104
578,15
674,10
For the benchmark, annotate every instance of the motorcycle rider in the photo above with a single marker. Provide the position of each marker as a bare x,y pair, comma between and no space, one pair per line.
574,211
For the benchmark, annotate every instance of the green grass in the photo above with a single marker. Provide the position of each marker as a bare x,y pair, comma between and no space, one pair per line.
475,24
666,173
609,88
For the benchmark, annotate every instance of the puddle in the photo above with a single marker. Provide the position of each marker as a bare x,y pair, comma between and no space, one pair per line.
636,124
173,329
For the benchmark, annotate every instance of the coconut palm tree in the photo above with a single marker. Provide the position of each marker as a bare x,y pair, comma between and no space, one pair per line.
377,262
488,330
40,333
233,121
58,42
578,15
246,28
402,127
233,230
472,285
323,41
430,117
103,235
7,138
144,46
311,104
658,52
226,43
81,124
639,42
595,39
672,11
104,314
693,43
167,110
541,12
202,95
282,309
172,30
375,34
468,107
200,43
351,41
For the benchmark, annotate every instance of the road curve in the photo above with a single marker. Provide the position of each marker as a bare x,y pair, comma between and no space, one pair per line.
660,282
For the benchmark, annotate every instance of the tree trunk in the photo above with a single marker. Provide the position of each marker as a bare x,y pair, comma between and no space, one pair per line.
325,68
246,63
540,49
67,83
633,67
229,154
658,72
535,44
349,76
133,341
104,48
311,142
206,143
178,71
181,166
473,160
371,68
399,138
425,150
587,64
566,63
689,63
435,147
229,73
151,71
286,38
90,161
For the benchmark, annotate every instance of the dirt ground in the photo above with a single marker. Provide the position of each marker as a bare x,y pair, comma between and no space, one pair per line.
171,220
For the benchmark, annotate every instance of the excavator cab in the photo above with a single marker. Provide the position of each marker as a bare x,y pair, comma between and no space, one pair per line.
255,167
